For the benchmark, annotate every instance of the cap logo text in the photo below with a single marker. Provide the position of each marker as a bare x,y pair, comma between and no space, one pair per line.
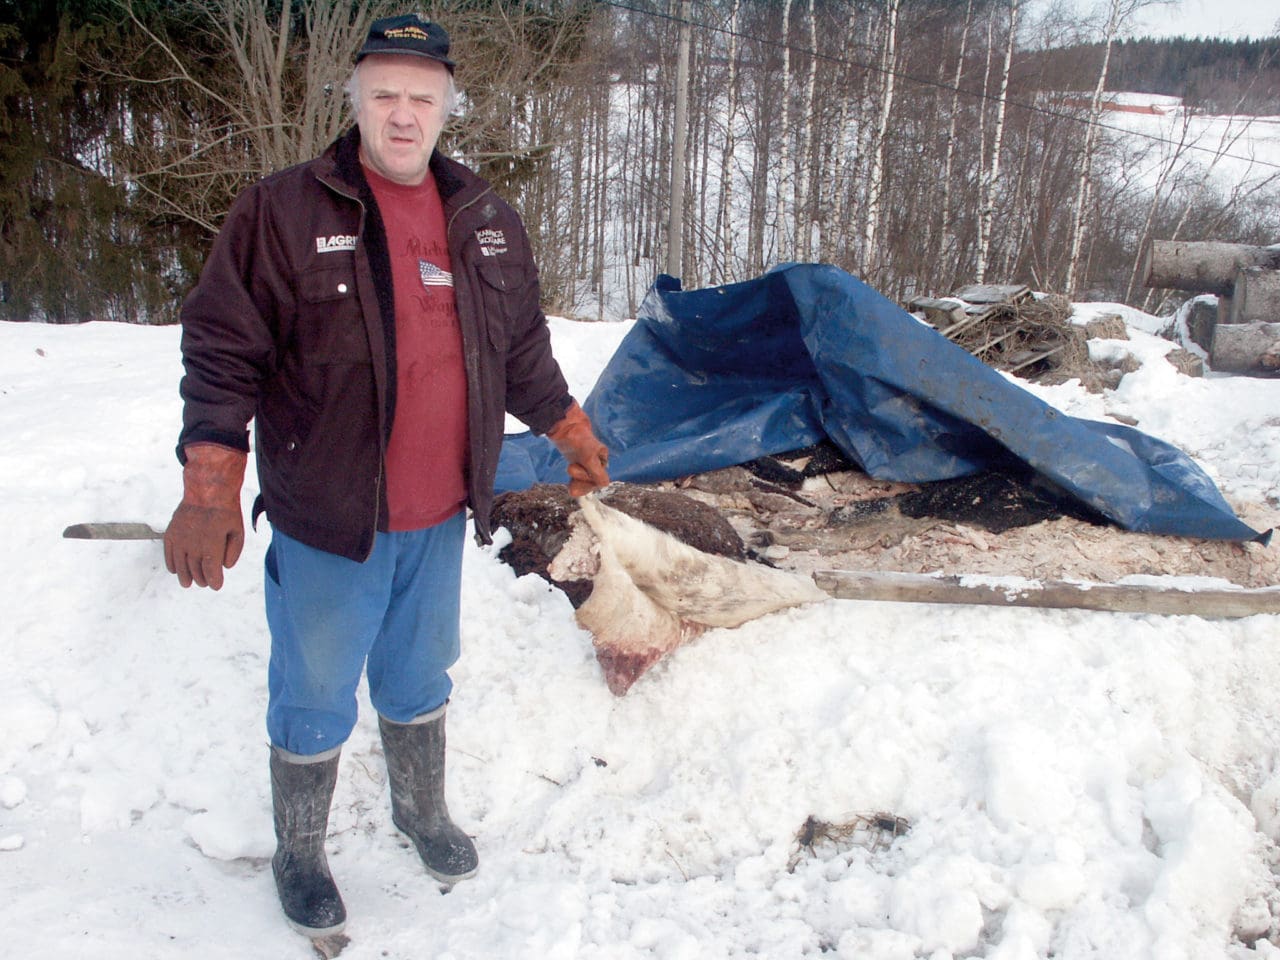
406,33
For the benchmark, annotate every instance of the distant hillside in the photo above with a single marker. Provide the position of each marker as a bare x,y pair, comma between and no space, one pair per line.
1230,76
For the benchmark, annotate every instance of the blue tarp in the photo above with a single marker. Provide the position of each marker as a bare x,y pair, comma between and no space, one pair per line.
715,377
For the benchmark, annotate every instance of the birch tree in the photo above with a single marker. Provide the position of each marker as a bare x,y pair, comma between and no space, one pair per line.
1119,12
784,133
837,222
725,237
871,259
805,161
991,174
948,245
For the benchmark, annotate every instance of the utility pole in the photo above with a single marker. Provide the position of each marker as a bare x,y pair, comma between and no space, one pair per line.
675,228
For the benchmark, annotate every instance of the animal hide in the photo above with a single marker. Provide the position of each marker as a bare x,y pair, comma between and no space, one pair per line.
652,592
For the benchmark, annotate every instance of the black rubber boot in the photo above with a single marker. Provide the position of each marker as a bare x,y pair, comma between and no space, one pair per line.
415,767
300,795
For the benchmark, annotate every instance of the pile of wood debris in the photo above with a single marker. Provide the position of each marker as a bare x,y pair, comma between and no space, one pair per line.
1007,327
1010,328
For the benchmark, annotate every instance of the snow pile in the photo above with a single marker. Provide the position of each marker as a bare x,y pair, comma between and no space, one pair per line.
1073,784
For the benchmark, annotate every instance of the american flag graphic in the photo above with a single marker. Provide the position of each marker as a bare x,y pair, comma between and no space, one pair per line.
433,276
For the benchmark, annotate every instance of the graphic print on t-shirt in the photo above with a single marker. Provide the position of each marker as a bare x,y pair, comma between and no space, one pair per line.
433,276
427,451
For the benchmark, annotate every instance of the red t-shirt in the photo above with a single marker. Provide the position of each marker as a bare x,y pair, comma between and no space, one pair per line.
427,454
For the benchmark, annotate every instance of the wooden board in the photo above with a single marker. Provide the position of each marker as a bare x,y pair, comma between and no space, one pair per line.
1115,598
987,293
112,530
938,313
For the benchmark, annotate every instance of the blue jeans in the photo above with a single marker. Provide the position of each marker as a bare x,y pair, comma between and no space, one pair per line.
395,615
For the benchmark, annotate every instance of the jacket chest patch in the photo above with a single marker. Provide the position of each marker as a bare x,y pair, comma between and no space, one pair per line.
335,242
492,242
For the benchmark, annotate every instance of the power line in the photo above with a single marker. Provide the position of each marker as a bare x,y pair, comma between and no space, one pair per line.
939,84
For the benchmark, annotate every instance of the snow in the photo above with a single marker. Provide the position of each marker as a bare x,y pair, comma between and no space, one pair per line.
1182,146
1076,784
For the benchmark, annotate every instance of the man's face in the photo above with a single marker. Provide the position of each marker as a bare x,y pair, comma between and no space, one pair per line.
400,114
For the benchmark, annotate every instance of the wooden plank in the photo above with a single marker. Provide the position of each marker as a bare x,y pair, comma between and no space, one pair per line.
112,531
993,342
964,324
1036,358
974,313
993,293
1056,594
946,304
938,313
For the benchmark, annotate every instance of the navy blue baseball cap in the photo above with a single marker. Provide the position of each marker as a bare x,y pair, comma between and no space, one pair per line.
411,34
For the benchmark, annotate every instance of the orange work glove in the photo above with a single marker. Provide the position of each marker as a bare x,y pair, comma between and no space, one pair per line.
588,457
207,530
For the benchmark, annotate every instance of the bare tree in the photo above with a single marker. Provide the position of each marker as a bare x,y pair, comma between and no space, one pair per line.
875,147
871,260
836,224
805,159
784,133
1119,12
991,174
251,87
724,230
266,104
948,245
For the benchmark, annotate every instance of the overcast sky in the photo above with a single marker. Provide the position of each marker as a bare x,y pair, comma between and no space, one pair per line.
1209,18
1180,18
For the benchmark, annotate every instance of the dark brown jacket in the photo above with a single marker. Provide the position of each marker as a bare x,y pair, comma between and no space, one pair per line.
292,325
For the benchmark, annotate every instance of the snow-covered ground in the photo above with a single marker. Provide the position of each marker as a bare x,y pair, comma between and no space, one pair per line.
1076,784
1173,145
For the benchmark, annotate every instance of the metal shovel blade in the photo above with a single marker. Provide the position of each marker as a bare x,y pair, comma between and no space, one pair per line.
112,531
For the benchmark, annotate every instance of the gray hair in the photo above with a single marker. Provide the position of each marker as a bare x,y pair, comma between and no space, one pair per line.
352,89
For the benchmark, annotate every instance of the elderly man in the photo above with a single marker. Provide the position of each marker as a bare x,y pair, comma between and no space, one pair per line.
376,313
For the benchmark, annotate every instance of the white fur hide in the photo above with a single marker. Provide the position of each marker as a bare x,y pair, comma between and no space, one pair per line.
651,592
